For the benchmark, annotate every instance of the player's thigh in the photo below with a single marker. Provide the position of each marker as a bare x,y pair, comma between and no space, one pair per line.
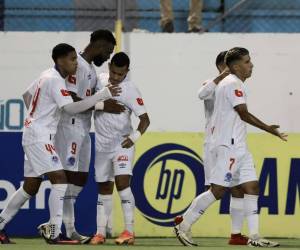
42,158
85,155
103,167
123,161
237,191
224,166
28,168
68,142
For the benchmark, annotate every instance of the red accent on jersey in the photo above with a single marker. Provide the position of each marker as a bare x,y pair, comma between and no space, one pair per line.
72,79
122,158
238,93
65,92
140,101
35,100
88,92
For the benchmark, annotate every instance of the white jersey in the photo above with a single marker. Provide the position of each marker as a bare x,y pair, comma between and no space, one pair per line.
227,127
83,84
49,95
111,128
207,94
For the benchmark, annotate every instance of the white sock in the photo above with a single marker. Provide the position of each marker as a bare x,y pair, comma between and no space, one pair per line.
56,201
109,226
104,208
196,209
237,214
68,208
250,205
15,202
128,205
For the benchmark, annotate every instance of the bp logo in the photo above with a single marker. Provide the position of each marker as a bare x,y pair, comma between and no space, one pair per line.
166,179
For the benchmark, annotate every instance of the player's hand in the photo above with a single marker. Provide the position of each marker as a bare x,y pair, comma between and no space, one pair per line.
274,130
127,143
113,107
222,75
225,72
115,90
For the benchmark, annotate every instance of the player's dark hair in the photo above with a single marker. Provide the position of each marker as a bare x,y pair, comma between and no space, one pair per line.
61,50
235,54
120,60
105,35
221,58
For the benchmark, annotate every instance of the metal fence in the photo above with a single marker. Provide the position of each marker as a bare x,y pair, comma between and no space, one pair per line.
86,15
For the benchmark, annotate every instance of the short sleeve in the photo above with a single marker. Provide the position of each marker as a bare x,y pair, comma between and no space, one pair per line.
136,102
235,94
60,93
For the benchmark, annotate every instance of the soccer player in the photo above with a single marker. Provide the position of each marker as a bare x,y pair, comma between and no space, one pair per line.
73,141
45,99
207,94
115,139
233,163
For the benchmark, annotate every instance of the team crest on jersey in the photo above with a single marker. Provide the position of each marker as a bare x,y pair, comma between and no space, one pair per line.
65,92
238,93
71,161
140,101
54,159
228,177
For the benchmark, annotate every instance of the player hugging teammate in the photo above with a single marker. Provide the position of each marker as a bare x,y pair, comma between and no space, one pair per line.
56,138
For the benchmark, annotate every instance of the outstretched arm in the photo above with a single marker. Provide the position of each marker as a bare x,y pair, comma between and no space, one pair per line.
83,105
246,116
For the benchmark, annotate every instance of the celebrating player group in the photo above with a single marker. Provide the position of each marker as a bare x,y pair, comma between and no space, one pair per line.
57,144
63,101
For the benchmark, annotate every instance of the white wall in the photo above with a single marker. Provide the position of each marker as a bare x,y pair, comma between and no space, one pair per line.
169,69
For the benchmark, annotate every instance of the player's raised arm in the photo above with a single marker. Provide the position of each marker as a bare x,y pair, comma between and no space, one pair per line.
246,116
135,135
208,88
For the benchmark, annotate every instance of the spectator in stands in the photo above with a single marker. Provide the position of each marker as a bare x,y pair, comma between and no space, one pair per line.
194,19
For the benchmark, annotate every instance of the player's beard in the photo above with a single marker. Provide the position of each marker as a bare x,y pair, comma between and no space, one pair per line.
98,60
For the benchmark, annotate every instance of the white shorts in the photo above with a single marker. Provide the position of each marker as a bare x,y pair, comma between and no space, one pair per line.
207,163
232,166
111,164
40,158
73,147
